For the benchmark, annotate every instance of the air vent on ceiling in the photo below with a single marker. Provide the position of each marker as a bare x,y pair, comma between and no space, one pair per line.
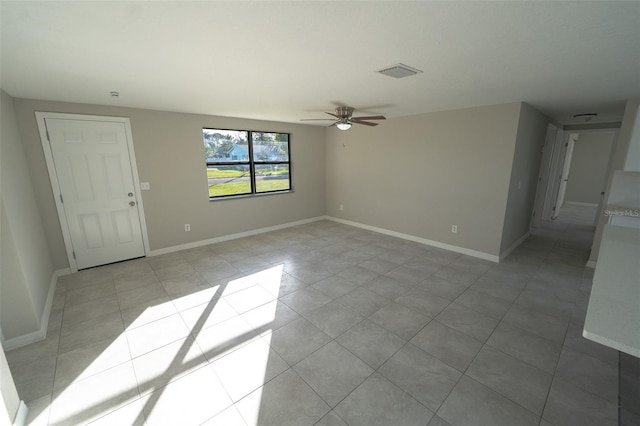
399,71
587,116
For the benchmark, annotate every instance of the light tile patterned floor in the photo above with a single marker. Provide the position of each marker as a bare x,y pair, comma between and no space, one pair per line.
331,325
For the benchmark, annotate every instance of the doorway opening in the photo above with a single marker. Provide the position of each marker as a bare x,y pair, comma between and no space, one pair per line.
573,174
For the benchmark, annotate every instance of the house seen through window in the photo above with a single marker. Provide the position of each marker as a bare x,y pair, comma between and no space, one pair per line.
243,162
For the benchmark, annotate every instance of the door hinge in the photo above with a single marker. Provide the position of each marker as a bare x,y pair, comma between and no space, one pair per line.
61,199
74,254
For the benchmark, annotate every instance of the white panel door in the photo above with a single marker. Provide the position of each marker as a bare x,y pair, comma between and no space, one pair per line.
97,188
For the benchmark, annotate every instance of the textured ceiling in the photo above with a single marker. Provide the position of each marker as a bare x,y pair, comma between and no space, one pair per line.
285,61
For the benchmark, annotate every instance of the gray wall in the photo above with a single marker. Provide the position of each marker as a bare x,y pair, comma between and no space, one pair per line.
625,144
589,163
27,266
419,175
170,155
632,162
9,399
532,130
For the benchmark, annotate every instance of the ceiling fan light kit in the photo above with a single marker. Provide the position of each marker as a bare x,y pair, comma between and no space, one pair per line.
343,118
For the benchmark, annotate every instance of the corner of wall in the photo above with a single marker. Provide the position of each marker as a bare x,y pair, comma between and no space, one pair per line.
512,247
527,156
41,333
29,267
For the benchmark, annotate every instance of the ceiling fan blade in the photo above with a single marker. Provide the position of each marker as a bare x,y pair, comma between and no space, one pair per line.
372,117
330,113
366,123
317,119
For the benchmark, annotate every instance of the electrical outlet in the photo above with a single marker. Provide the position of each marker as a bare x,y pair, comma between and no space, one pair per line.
341,207
454,229
145,186
187,227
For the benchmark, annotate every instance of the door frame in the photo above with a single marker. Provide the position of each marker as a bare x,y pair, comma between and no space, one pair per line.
53,176
603,194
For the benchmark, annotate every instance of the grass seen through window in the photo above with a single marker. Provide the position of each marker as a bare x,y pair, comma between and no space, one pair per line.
243,162
233,186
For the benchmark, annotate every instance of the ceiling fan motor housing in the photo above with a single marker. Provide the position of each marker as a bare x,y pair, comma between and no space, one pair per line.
344,111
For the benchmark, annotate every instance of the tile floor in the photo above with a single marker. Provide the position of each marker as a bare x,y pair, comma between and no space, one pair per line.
327,324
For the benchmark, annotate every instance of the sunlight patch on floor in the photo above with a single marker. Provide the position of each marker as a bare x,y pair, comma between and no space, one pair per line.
165,375
151,313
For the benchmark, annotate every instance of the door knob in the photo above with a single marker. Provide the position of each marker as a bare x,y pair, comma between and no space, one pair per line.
132,203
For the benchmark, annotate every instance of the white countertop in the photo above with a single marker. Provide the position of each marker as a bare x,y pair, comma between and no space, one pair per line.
613,315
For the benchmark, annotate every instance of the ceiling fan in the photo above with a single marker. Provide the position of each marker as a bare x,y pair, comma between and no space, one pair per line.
343,118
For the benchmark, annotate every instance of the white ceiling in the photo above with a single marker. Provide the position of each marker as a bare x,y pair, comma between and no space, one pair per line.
285,61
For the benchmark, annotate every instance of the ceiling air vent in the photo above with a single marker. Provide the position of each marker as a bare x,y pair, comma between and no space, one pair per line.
399,71
587,116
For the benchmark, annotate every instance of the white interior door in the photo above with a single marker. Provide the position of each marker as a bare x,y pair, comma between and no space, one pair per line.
544,175
566,168
555,171
97,192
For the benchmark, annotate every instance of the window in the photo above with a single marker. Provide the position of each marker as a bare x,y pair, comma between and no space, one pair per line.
242,162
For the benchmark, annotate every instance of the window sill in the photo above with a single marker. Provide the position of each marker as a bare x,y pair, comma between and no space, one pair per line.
262,194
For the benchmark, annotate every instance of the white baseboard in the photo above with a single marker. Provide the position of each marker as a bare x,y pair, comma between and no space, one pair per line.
201,243
578,203
432,243
513,246
23,340
21,415
44,321
41,334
